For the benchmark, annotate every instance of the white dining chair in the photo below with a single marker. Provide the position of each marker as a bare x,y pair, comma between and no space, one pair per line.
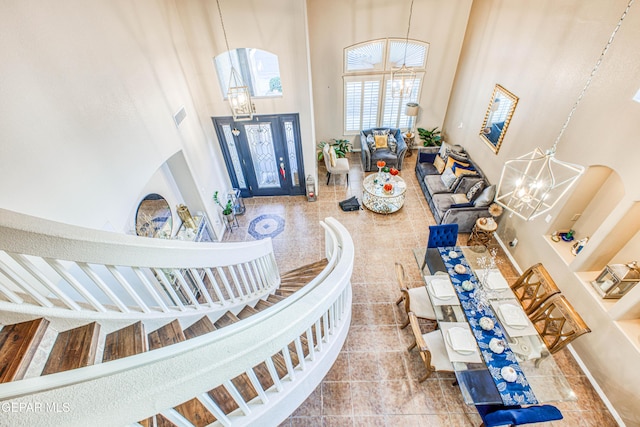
431,347
416,300
334,165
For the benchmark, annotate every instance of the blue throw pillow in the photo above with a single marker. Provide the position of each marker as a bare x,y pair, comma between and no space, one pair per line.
463,205
427,157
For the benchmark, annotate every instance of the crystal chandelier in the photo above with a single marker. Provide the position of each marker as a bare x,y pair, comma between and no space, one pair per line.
403,78
534,183
238,93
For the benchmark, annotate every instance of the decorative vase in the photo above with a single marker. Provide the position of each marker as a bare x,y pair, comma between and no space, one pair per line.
185,216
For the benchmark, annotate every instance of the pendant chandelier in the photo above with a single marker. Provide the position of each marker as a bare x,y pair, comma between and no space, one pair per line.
403,78
238,93
534,183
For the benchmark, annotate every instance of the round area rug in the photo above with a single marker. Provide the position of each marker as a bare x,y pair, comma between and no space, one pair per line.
267,225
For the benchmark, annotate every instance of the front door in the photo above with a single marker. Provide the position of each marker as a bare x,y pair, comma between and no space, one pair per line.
263,155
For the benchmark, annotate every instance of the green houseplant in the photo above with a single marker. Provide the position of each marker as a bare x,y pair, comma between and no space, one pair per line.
227,209
430,137
342,146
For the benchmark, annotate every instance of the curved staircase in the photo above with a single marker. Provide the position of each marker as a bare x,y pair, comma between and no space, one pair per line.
246,356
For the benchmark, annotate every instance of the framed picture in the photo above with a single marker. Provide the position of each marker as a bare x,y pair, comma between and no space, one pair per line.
496,121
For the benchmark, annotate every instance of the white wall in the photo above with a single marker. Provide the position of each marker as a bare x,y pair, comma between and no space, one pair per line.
337,24
543,52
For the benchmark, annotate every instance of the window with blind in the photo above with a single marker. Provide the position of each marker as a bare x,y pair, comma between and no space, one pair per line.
367,83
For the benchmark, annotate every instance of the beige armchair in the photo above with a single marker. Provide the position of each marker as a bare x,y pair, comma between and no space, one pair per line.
334,164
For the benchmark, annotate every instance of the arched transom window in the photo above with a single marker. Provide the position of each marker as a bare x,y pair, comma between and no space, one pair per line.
258,68
367,82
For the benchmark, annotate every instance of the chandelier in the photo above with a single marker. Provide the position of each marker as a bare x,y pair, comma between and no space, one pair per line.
238,93
534,183
403,78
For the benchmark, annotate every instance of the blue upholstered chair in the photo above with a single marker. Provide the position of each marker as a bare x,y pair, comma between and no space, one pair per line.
442,235
499,415
439,236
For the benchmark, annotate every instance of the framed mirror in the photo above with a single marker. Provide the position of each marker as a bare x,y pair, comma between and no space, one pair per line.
154,218
498,116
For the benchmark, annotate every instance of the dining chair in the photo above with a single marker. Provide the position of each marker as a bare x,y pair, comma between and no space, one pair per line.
558,323
534,287
499,415
416,300
439,236
334,164
431,347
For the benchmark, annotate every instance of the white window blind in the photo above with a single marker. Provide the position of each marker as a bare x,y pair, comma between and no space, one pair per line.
362,98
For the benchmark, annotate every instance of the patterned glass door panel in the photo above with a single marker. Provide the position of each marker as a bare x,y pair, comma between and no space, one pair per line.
263,155
233,153
291,152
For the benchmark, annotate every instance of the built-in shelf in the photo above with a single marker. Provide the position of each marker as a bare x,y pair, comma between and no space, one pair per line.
562,248
586,277
631,329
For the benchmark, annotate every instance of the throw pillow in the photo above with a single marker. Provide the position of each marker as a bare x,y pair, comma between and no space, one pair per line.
459,198
486,197
371,142
447,148
381,141
448,178
461,170
333,157
439,164
459,156
475,190
427,157
451,161
383,132
392,143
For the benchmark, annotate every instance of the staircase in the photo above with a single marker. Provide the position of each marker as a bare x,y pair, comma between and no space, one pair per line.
245,364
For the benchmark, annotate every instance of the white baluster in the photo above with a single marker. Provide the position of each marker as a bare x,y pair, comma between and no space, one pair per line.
195,275
75,284
103,286
225,282
215,286
151,289
127,287
18,281
160,275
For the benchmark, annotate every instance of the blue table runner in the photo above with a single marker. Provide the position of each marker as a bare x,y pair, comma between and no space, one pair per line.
512,393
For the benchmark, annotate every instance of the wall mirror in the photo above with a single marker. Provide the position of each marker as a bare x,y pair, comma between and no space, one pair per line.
153,218
498,116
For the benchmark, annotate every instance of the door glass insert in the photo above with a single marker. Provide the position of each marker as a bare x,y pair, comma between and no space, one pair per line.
291,149
233,152
260,139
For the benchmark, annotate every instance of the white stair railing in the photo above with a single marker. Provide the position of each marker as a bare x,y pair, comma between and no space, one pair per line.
124,391
54,269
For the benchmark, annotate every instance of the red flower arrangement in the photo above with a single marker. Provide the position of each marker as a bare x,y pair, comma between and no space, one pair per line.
394,171
388,188
381,163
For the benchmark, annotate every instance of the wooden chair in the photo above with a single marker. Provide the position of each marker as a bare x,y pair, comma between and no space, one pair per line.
534,287
431,347
558,323
415,300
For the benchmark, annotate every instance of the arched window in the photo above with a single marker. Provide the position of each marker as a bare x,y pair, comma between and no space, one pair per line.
259,69
367,82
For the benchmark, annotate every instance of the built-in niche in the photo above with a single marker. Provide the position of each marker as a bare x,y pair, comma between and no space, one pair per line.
594,198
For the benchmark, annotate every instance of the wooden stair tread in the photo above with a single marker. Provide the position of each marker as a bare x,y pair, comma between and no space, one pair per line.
248,311
163,422
227,319
125,342
284,292
315,266
275,298
170,333
223,399
201,327
73,349
18,345
262,304
196,413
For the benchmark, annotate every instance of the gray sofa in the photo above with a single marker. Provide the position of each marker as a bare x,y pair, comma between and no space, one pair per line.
440,197
392,160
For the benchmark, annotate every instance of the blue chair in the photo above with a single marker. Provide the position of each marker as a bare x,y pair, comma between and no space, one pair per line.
500,415
439,236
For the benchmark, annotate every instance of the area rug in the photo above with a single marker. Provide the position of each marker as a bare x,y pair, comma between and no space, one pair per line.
267,225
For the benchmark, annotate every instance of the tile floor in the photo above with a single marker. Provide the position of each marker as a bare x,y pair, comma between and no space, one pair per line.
374,381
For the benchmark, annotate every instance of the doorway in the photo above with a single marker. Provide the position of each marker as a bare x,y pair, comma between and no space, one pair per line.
264,155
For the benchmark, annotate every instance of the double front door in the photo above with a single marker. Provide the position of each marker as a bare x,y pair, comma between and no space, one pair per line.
264,155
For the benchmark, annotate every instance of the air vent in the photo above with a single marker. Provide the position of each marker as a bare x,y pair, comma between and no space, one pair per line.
179,116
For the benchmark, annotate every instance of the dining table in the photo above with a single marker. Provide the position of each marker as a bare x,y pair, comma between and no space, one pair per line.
496,352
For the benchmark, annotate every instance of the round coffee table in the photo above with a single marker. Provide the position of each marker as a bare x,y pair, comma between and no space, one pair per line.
377,200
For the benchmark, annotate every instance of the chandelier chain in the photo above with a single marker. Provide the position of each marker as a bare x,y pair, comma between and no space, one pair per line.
224,32
593,73
406,40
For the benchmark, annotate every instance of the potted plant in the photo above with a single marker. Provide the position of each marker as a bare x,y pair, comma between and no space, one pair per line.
342,147
227,209
430,137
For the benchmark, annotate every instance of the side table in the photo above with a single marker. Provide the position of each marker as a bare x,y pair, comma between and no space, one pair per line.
410,140
482,232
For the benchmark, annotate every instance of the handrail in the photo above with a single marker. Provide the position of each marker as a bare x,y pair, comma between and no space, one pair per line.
174,374
52,268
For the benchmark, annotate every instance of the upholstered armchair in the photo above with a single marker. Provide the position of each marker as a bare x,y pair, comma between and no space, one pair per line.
392,159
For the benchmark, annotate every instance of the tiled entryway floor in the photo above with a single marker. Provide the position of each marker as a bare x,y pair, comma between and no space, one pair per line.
374,381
